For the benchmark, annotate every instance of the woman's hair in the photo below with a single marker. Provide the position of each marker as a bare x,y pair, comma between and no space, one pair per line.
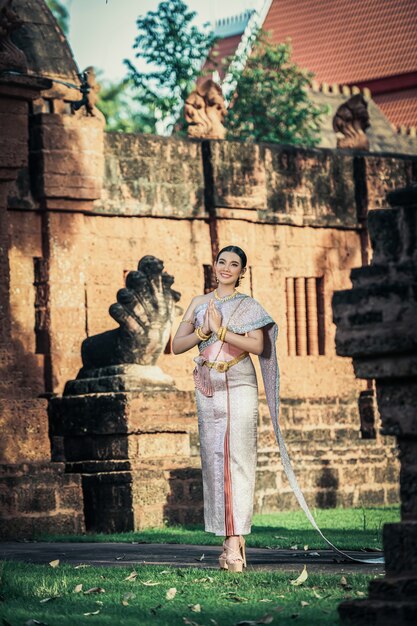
240,254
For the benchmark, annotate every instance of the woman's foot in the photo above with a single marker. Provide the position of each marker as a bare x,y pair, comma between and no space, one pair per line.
223,557
235,553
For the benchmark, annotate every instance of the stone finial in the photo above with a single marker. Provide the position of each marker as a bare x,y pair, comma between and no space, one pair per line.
89,89
205,111
144,311
352,120
11,57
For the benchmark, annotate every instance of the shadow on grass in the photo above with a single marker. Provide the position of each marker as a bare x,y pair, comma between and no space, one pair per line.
349,529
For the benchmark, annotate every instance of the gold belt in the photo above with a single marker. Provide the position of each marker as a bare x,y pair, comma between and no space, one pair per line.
223,366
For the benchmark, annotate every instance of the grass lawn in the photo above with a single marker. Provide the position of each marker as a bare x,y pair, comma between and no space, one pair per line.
349,529
54,596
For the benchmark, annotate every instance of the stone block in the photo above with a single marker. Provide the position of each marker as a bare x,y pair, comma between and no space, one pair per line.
39,498
400,547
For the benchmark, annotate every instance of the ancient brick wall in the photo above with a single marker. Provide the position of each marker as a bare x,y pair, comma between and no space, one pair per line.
299,215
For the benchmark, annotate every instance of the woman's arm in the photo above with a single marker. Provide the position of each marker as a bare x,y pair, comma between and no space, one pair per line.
185,338
253,342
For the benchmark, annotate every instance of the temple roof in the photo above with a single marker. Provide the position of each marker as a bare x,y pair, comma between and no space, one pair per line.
43,42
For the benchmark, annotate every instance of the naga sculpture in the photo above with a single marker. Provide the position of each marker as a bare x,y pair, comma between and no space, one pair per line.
205,111
352,120
144,312
11,57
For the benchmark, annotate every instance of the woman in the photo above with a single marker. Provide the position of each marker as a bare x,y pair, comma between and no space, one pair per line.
228,326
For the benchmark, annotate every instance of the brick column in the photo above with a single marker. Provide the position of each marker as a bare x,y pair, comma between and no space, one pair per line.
377,326
35,494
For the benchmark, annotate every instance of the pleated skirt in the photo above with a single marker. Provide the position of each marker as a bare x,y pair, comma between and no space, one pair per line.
227,424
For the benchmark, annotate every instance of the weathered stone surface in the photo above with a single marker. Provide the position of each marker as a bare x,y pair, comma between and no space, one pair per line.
148,175
39,498
383,305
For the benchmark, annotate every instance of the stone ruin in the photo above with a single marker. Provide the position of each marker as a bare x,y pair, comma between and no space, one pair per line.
119,423
377,326
205,110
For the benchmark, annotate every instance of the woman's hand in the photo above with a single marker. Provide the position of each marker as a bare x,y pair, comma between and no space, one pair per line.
206,326
214,317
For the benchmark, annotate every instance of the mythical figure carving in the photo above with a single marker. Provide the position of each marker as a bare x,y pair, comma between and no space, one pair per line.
205,111
11,57
144,311
352,120
89,89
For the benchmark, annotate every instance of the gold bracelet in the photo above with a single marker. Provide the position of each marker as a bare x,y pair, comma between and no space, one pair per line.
199,332
222,332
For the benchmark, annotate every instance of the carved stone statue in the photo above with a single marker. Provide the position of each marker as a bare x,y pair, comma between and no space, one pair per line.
352,120
11,57
90,89
144,312
205,111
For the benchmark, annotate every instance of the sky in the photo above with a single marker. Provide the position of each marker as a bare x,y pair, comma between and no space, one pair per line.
102,34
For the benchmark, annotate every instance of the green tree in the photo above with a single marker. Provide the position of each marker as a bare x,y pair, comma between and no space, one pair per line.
271,101
60,12
122,110
172,50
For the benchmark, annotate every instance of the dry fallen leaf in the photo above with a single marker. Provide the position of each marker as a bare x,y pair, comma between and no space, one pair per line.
170,594
306,547
48,599
294,547
54,563
344,583
95,590
149,583
304,603
93,612
201,558
127,597
265,600
317,595
360,593
301,579
196,608
132,576
81,565
189,622
120,558
35,622
78,588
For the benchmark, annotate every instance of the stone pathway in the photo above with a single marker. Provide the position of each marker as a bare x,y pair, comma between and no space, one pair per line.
180,555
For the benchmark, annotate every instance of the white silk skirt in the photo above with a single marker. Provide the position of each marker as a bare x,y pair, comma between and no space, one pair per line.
227,423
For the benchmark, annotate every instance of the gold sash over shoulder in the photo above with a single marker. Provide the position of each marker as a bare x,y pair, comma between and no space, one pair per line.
223,366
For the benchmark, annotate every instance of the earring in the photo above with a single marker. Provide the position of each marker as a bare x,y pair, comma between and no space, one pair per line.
217,280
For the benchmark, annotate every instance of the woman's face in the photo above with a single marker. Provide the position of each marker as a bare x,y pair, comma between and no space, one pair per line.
228,268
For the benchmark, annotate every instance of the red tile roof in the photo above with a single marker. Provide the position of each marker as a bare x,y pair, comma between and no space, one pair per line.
348,41
400,107
224,48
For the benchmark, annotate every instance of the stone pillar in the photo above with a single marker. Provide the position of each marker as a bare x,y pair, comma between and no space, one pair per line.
377,326
136,449
35,494
301,316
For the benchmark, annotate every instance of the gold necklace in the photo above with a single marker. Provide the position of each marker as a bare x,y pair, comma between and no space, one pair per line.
232,295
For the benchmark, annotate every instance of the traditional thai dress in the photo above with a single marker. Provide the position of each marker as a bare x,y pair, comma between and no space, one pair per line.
227,407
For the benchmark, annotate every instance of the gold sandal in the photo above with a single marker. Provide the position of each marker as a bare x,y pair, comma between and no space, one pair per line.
235,560
223,557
